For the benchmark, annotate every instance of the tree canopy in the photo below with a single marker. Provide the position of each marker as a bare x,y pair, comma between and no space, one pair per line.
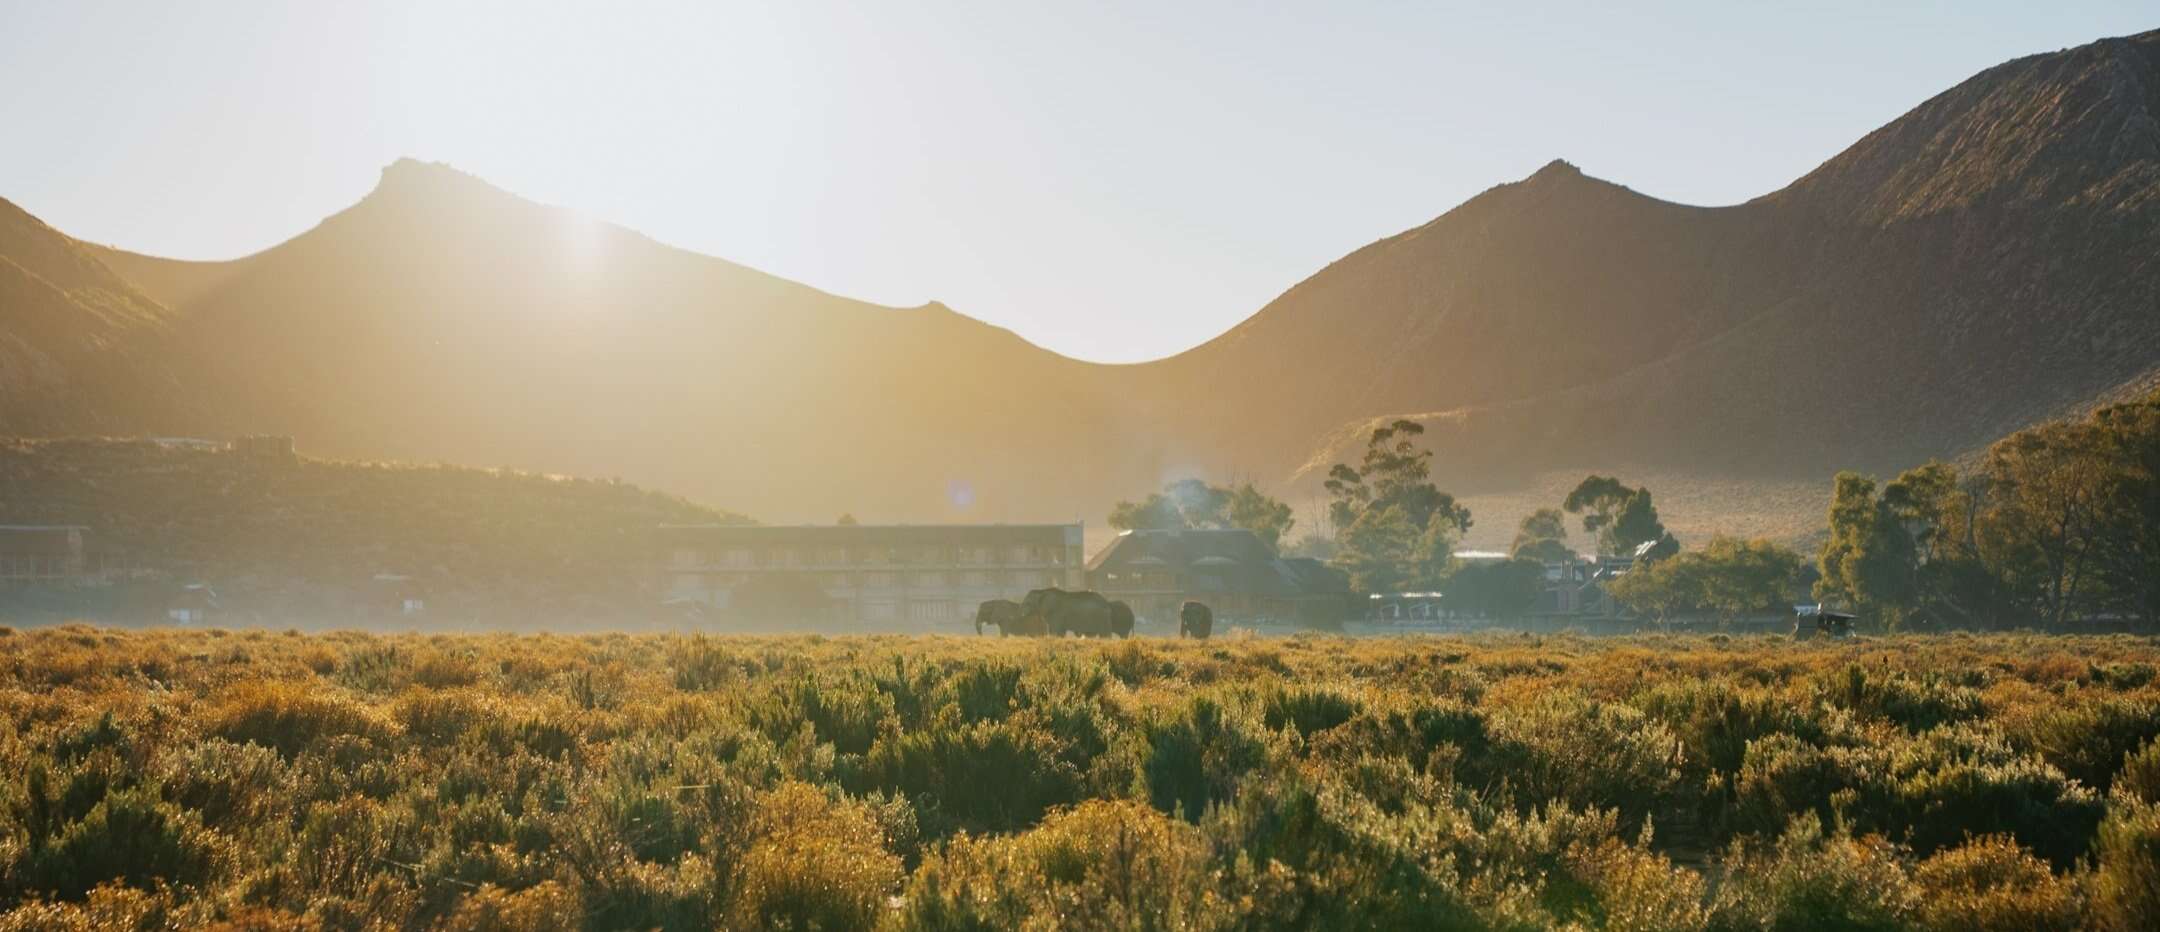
1193,503
1394,528
1619,517
2057,522
1542,536
1728,577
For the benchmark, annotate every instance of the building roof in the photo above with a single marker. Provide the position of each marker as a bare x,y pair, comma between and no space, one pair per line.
41,538
1231,560
891,535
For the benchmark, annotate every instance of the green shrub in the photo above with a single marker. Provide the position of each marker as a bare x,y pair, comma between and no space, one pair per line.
1311,711
2090,740
2140,776
978,776
1563,747
1323,859
1103,864
131,837
816,865
1809,880
2126,873
1915,703
1716,720
229,786
1197,756
984,691
1955,783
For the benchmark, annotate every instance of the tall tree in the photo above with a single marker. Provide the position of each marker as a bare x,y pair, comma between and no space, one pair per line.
1502,589
2128,567
1620,518
2053,486
1192,503
1728,577
1542,536
1387,511
1867,561
1253,510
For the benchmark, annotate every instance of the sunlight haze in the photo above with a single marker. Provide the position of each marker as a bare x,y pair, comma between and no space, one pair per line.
1116,182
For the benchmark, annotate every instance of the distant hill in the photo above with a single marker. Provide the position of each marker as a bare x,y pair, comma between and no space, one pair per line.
1983,262
302,539
72,335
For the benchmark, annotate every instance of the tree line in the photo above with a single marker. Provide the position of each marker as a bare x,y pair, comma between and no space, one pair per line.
2054,524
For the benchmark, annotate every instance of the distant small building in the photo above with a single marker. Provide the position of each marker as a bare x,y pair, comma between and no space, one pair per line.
269,448
191,443
920,575
398,594
1233,572
1578,589
191,604
45,553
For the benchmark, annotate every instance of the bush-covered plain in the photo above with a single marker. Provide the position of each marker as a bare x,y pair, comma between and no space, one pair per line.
265,780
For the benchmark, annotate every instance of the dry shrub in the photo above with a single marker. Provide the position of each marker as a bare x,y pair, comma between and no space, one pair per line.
816,865
1634,890
1101,865
544,907
2126,878
287,716
440,670
1810,880
1993,885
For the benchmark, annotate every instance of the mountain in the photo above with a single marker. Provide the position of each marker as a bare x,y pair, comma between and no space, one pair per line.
1990,259
443,319
1983,262
69,333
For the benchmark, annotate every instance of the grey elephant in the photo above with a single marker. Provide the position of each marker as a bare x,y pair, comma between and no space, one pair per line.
1083,613
1194,620
1006,616
1121,619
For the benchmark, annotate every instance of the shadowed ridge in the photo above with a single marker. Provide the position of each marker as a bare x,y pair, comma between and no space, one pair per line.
2079,127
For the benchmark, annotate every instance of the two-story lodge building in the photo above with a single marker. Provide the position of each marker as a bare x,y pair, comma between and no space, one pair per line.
906,575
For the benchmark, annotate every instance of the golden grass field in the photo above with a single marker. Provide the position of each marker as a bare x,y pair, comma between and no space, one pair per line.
255,779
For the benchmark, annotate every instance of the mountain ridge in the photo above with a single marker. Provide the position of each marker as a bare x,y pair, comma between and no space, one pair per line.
1984,261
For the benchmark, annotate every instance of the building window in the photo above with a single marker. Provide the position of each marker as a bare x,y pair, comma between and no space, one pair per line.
975,579
880,611
928,580
878,580
737,557
832,556
1027,580
930,611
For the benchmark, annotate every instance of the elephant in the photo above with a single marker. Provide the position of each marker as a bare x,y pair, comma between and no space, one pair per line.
1083,613
1195,620
1121,619
1006,616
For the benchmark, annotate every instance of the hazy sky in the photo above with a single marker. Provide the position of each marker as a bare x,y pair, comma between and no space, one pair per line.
1113,180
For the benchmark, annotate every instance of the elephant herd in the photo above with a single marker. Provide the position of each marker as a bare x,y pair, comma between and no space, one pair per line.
1058,612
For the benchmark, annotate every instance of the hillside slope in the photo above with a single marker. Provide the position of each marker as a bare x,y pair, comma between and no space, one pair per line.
1990,259
1985,261
302,539
69,329
443,319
